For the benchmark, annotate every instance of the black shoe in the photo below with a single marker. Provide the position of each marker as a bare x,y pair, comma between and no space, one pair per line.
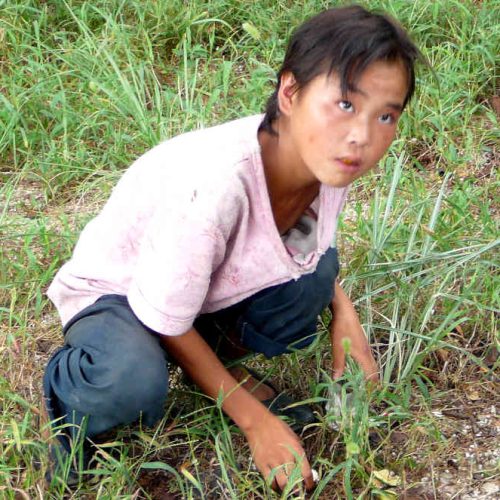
297,414
68,466
67,458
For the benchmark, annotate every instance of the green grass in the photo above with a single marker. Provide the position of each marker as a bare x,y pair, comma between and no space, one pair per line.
86,87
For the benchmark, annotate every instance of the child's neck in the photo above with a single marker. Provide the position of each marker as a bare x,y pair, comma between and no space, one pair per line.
290,193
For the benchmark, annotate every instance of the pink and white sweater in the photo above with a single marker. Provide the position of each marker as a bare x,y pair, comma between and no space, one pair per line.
189,229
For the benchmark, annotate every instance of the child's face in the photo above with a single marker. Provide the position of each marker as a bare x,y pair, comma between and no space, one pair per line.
338,139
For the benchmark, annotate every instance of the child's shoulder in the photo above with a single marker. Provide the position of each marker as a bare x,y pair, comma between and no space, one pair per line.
206,149
214,165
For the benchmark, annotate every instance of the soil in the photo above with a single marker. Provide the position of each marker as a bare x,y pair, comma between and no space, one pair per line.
448,449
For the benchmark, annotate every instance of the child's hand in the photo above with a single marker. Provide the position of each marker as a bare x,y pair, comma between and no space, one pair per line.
272,443
359,350
346,325
275,447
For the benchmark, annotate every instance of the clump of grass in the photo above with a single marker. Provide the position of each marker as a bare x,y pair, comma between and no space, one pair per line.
413,267
86,87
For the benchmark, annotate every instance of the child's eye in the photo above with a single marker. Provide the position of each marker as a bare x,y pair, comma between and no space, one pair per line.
387,118
346,106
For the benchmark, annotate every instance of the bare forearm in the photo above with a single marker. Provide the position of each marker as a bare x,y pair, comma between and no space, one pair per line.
346,325
202,365
345,317
341,303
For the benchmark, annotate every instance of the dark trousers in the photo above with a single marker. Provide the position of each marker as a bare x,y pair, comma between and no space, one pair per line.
113,370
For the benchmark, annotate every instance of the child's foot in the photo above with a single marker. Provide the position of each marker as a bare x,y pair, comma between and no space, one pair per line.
63,464
297,415
257,387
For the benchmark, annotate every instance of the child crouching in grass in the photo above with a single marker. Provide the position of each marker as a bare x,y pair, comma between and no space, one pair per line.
218,242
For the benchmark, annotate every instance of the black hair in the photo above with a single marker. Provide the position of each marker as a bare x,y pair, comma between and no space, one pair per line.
344,40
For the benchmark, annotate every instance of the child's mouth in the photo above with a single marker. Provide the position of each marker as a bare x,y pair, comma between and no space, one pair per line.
350,162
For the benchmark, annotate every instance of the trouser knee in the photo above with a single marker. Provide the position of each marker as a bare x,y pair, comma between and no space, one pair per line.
111,370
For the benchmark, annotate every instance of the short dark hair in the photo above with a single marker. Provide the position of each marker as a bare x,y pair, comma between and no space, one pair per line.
344,40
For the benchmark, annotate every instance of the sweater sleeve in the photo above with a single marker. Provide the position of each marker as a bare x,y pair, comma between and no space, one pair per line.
180,251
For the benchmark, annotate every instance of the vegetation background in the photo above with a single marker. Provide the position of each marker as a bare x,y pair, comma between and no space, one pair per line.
87,86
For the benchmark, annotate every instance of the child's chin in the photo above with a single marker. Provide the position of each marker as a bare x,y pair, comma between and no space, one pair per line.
338,182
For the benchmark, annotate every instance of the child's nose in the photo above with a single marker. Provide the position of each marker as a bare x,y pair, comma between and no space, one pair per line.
359,133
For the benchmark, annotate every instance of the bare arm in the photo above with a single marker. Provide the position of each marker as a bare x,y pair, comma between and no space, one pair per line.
271,441
346,324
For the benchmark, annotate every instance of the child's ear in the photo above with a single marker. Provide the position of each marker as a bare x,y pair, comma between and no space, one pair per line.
286,94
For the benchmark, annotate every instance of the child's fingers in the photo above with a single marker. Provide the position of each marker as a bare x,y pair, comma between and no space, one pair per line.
307,474
281,475
338,362
367,363
277,477
361,354
281,478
